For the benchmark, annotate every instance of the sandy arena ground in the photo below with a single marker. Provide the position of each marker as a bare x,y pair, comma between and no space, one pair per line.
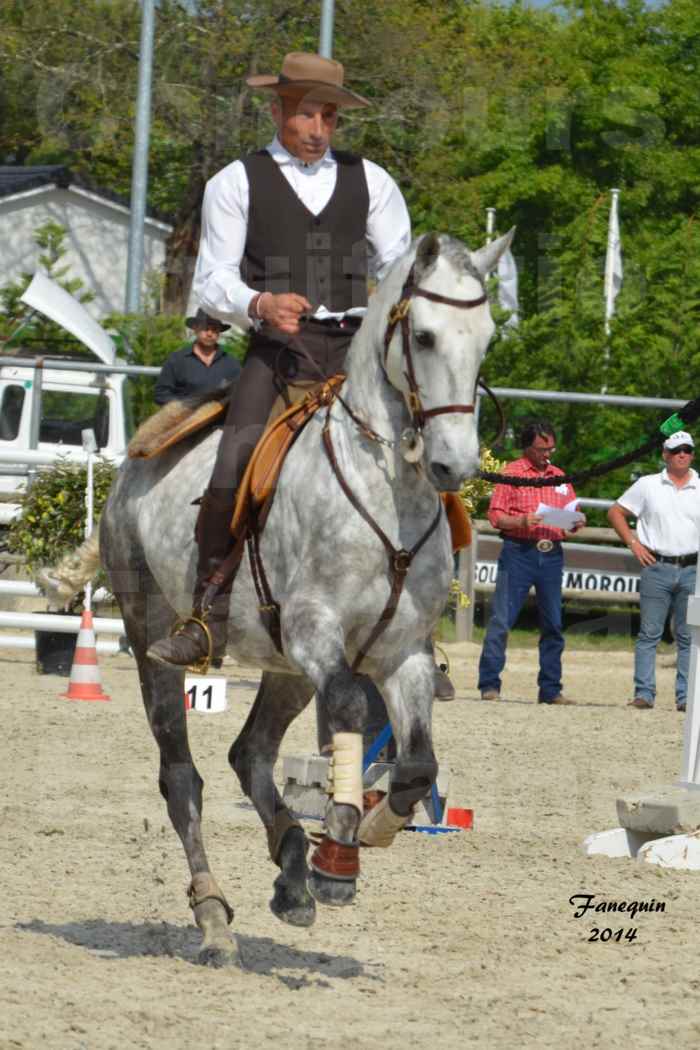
454,940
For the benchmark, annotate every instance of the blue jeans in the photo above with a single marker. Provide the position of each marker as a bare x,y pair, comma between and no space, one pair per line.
662,587
521,566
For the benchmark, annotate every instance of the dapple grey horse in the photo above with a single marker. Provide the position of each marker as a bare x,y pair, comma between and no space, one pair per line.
405,430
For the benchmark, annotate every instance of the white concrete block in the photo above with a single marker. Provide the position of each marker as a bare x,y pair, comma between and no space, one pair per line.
306,770
667,810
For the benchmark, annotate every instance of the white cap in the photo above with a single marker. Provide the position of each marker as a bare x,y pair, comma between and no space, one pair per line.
679,438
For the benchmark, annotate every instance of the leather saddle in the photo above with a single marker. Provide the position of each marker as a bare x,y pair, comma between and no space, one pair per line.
255,492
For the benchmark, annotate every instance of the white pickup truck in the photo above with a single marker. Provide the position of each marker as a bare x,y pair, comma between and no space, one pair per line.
66,402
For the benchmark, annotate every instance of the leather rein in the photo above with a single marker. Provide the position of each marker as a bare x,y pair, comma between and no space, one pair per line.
400,559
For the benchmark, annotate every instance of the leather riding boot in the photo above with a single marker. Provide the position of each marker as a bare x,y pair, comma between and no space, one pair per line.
203,636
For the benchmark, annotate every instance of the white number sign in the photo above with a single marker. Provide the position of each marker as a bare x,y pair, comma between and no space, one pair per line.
207,695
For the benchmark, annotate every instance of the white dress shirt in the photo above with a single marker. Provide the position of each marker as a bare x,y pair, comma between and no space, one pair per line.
217,284
668,517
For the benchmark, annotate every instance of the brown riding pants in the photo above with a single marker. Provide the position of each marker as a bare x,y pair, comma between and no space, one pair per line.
269,366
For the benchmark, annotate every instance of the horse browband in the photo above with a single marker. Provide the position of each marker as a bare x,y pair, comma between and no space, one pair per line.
399,315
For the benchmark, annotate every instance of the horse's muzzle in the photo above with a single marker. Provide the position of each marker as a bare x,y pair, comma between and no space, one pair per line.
449,479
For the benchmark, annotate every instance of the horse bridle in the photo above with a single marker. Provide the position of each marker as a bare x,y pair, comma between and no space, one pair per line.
400,559
399,315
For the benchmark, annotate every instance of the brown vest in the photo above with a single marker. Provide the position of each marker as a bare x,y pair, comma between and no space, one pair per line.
288,249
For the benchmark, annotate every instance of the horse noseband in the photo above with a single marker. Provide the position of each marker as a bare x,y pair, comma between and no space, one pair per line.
399,315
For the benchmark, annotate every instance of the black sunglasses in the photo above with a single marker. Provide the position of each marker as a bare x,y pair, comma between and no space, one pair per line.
681,448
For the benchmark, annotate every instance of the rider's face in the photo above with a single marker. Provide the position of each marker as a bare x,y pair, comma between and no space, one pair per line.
304,127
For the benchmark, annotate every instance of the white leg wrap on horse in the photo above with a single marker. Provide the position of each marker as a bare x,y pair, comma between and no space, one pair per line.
345,770
380,825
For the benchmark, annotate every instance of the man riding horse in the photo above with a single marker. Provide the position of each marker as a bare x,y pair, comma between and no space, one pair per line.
285,233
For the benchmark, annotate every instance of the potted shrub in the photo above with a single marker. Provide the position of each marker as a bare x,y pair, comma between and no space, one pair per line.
50,524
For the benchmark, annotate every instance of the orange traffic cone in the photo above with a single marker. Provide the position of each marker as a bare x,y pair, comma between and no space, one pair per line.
84,681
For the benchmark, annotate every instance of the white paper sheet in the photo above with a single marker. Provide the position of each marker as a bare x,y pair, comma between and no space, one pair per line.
560,517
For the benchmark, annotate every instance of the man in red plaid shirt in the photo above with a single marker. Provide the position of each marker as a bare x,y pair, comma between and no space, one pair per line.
531,557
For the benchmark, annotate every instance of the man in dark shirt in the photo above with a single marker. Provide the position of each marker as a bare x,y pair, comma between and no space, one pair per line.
199,366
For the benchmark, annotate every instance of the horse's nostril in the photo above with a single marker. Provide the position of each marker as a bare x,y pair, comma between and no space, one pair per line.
440,471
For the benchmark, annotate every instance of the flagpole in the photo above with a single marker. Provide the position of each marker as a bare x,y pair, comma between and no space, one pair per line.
490,224
325,47
139,168
467,557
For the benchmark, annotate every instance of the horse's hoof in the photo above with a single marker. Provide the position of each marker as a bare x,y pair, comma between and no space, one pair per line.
335,892
296,908
297,915
219,956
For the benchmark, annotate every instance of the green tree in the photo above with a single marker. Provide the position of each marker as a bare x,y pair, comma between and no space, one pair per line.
538,113
560,110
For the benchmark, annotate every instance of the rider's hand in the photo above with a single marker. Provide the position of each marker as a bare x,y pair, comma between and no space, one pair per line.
529,520
579,524
283,311
642,553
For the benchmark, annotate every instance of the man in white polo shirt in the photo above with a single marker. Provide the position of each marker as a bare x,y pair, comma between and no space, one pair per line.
667,509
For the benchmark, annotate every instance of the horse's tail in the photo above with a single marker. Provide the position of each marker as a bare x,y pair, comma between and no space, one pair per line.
61,582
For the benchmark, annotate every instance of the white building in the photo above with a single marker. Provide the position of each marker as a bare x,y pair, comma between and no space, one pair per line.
97,226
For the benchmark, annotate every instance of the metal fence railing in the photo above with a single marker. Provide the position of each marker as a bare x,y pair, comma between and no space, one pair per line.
467,567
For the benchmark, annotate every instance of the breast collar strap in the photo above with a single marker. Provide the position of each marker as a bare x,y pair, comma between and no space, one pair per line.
399,315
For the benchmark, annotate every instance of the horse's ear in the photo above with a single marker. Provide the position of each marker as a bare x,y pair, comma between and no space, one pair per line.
486,258
426,254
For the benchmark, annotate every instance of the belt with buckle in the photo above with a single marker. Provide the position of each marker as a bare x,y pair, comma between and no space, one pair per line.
677,559
543,546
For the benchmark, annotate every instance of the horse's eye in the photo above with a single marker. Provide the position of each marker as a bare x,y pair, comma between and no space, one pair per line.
425,339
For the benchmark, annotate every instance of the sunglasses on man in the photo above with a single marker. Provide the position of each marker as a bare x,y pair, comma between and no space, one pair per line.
681,448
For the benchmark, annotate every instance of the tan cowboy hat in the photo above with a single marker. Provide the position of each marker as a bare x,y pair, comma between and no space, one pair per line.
322,78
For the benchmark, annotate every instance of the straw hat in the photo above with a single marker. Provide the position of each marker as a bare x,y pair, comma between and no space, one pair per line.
319,78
